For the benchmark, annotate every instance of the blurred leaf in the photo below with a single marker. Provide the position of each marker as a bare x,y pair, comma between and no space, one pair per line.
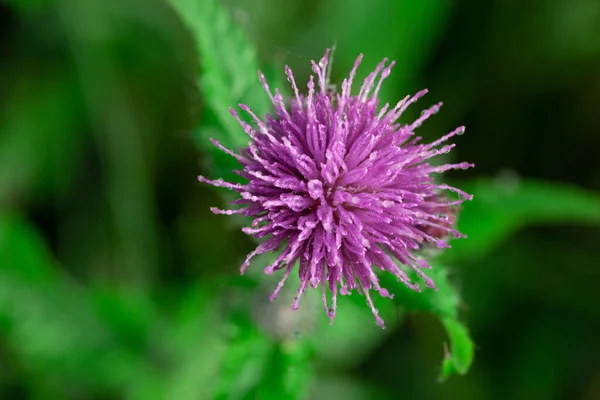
50,323
500,208
287,374
129,313
198,346
562,38
354,334
265,358
113,53
245,362
38,146
404,30
272,385
229,69
28,5
298,371
345,387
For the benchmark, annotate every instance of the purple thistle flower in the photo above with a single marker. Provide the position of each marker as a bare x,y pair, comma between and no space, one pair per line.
342,188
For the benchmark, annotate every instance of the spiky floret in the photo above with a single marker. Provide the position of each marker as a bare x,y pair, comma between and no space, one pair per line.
341,187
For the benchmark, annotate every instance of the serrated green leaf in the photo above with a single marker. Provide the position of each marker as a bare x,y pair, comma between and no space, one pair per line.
444,303
229,74
500,208
458,359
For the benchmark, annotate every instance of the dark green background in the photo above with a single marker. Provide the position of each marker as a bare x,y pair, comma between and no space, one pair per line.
116,281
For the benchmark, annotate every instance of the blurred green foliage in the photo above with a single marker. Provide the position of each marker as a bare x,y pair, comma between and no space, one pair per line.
116,281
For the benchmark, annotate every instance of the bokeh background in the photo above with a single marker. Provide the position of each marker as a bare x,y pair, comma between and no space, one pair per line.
116,281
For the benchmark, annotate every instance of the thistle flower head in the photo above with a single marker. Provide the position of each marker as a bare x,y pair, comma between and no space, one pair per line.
342,188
